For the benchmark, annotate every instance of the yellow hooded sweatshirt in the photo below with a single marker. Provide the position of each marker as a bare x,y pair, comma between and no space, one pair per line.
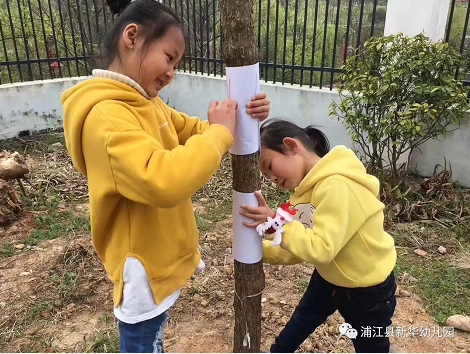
339,224
143,161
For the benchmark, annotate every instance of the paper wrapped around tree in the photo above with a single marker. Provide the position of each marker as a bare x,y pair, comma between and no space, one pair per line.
242,84
247,247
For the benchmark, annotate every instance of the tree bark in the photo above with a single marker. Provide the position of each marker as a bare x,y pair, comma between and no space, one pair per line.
240,50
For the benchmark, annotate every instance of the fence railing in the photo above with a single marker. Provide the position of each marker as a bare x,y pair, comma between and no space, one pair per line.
457,37
301,42
47,39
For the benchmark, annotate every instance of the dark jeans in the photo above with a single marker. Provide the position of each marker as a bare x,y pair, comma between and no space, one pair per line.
368,310
143,337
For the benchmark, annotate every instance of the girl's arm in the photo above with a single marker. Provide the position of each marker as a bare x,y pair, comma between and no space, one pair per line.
187,126
145,172
337,218
278,255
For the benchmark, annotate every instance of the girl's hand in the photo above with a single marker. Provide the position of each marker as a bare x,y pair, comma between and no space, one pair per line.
259,214
223,113
259,106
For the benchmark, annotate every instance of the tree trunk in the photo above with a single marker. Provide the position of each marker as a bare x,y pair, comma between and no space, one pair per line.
240,50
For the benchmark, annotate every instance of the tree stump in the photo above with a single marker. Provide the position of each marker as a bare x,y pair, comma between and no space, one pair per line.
12,166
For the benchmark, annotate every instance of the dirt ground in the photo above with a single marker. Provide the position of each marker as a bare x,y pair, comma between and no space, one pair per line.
55,296
202,320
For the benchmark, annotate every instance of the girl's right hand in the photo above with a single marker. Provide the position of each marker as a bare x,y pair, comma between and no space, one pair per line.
223,113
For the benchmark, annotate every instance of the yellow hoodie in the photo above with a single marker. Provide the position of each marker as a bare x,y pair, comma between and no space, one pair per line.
339,226
143,161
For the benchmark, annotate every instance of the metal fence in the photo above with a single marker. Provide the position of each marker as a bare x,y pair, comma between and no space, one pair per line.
47,39
301,42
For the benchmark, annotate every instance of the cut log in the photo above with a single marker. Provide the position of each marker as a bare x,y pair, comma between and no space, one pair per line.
12,166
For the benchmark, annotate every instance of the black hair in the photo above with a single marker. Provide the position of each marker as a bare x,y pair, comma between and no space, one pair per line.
154,17
274,131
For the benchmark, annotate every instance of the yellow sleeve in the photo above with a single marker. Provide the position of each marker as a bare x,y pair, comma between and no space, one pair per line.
187,126
277,255
337,217
146,173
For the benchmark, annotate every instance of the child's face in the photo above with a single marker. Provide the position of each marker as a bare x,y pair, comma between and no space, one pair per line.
153,67
286,170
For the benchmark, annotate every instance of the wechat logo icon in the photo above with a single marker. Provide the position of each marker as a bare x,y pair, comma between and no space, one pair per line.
346,330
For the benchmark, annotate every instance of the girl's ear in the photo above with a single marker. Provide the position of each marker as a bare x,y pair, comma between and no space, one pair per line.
129,35
291,145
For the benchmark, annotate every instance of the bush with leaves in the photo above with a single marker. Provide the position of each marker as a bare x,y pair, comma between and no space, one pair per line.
398,93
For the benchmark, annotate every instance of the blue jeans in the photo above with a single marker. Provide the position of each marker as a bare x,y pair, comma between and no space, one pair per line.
367,310
143,337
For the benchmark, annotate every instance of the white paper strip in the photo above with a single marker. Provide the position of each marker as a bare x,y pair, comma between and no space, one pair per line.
242,84
247,244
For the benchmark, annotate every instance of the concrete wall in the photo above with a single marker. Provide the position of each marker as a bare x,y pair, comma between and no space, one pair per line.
32,105
192,94
36,106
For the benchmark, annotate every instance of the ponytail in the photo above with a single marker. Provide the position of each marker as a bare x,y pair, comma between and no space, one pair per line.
318,141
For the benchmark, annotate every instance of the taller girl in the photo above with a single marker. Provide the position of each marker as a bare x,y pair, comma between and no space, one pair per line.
144,161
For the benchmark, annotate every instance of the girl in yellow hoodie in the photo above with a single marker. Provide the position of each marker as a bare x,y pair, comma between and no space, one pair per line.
338,227
144,161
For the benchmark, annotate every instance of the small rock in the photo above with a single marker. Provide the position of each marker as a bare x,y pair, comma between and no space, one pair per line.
220,294
279,267
404,293
211,239
57,303
55,147
412,279
13,228
460,322
23,274
342,343
420,252
397,291
2,305
263,300
31,331
228,270
215,262
19,246
411,320
206,247
282,302
442,250
204,303
70,307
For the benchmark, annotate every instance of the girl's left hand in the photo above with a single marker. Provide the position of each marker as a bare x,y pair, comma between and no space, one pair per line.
259,106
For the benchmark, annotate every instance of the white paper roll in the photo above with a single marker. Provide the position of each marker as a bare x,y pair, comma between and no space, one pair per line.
242,84
247,244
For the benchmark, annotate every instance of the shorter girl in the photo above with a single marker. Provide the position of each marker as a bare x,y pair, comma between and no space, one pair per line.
338,228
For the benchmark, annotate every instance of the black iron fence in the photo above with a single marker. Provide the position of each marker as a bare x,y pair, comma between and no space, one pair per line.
47,39
301,42
457,37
